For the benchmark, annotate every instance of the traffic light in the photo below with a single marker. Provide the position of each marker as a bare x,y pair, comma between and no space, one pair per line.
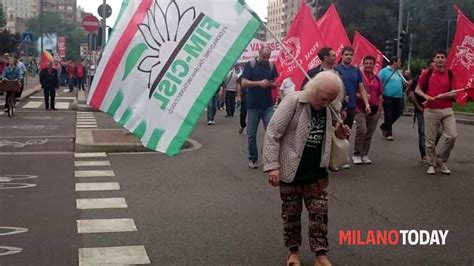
388,48
403,40
99,35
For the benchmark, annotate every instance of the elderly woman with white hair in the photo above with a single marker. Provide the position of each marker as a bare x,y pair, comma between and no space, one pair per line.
296,155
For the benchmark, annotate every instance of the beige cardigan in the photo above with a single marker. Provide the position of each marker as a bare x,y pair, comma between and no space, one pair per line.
287,133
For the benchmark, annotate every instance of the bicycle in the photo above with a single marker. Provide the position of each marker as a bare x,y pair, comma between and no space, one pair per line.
10,87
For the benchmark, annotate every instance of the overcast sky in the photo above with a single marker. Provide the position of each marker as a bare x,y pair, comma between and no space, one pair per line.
260,6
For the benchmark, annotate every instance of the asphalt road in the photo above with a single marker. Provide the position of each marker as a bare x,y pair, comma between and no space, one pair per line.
206,207
37,189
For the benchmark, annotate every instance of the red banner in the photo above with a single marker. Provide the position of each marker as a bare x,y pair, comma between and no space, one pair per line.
461,56
332,30
62,47
362,47
303,41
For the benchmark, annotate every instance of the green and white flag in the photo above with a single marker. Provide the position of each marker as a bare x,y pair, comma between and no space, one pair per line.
163,63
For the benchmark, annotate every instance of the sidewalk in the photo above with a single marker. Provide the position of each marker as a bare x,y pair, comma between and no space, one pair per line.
32,86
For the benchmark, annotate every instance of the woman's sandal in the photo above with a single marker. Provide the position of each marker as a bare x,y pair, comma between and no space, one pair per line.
293,260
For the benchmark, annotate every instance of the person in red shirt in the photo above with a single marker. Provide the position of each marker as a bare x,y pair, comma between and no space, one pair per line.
367,123
71,73
81,75
438,112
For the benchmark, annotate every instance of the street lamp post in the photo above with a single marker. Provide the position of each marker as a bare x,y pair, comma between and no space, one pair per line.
104,26
41,26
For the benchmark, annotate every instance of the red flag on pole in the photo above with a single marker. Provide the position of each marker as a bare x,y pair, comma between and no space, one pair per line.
303,40
362,47
332,30
461,57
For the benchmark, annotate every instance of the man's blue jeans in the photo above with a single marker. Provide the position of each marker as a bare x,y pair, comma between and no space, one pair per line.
253,120
212,108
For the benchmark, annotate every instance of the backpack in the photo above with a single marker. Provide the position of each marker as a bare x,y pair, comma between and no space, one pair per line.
430,72
254,61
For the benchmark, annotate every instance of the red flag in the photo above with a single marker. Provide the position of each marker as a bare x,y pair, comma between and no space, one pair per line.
362,47
332,30
461,57
303,40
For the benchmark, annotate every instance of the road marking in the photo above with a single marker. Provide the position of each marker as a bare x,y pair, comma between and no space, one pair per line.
62,106
57,98
85,119
94,173
85,116
85,113
36,153
12,230
86,122
90,154
103,203
103,186
86,126
32,105
91,163
9,250
113,255
106,226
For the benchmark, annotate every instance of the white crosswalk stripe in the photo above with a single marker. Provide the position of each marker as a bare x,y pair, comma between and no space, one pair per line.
32,105
101,203
99,186
91,163
105,226
62,105
90,154
124,255
94,173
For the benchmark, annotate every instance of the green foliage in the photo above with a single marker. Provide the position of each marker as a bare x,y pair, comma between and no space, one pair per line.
9,42
377,20
3,18
468,108
417,65
52,23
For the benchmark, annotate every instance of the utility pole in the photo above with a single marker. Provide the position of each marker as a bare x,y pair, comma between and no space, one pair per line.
400,28
104,25
41,26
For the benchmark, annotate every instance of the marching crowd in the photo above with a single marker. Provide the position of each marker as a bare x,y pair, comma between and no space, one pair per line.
51,75
300,132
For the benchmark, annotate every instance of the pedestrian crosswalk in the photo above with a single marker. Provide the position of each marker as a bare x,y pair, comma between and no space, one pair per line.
36,104
102,225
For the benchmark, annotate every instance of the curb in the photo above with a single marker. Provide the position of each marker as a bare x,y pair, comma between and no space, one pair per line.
27,93
85,143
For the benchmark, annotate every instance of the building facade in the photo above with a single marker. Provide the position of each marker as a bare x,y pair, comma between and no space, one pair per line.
281,14
24,9
66,9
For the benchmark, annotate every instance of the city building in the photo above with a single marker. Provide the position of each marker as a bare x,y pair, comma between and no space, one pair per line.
261,34
24,9
66,9
281,14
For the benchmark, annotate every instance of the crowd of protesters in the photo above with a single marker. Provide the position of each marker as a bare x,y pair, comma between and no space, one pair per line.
297,143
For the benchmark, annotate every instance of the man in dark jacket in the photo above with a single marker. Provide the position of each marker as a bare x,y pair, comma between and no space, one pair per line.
49,82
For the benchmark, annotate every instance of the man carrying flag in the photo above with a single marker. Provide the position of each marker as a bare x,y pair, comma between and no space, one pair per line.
438,112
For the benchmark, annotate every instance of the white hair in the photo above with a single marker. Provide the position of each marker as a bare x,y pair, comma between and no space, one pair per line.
323,79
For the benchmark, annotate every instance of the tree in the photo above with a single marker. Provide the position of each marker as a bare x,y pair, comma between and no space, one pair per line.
9,42
3,18
52,23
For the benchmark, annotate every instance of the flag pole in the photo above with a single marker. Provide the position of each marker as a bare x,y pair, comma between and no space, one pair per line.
300,67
